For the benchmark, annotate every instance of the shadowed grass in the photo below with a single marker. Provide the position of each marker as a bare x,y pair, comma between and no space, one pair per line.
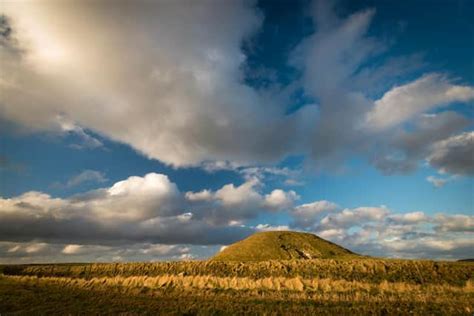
199,295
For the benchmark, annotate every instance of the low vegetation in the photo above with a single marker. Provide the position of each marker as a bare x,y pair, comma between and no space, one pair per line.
268,273
364,270
316,286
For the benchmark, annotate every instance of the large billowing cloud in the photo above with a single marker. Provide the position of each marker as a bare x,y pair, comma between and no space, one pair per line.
167,79
163,77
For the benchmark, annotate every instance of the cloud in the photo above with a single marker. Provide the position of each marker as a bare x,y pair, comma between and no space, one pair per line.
21,252
279,199
177,94
72,249
306,214
378,231
236,203
267,227
174,95
139,209
437,182
86,176
69,127
402,151
404,102
409,218
328,59
339,72
350,217
454,223
454,154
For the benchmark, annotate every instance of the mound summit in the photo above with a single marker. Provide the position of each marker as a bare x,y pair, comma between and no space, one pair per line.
282,245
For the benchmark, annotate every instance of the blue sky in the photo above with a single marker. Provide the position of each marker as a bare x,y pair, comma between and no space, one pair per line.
334,118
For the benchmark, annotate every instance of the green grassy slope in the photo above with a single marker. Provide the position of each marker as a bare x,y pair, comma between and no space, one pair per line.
282,245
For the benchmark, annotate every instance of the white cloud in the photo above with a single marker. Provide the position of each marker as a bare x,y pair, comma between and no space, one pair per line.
306,214
436,181
268,227
36,247
350,217
232,204
72,249
332,233
175,94
279,199
404,102
410,218
204,195
231,195
454,223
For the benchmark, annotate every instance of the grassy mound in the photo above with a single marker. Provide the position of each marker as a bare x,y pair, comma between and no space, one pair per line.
282,245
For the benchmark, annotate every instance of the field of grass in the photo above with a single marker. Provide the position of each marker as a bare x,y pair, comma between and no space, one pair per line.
306,287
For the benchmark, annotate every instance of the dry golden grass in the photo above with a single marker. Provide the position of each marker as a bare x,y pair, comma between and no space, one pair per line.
296,284
366,270
363,286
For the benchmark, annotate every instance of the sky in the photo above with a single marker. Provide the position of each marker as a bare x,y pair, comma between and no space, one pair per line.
159,130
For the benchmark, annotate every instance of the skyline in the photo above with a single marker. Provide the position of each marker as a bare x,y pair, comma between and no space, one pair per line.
166,130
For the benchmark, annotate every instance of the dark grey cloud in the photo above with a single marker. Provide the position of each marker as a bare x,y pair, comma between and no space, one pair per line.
454,155
402,151
40,252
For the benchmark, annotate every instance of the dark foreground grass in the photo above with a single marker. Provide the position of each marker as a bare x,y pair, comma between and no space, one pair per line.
42,298
301,287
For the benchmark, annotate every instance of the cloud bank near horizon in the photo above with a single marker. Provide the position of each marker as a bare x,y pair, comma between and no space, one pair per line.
139,214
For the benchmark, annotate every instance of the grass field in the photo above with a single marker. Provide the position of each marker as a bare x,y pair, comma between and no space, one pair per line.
318,286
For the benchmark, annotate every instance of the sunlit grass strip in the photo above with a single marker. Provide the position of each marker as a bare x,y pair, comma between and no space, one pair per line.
241,284
363,270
